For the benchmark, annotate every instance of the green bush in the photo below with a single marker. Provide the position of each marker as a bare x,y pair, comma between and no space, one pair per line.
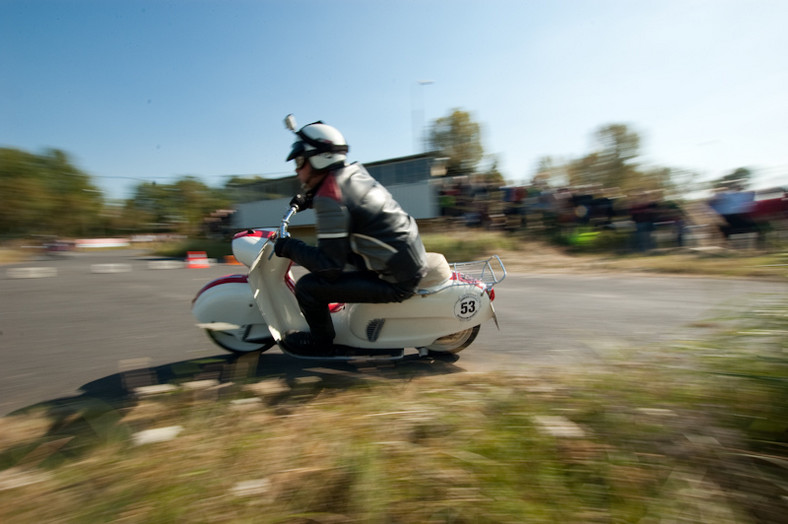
588,240
469,246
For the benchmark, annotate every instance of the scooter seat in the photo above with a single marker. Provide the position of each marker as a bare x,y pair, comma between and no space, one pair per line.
438,271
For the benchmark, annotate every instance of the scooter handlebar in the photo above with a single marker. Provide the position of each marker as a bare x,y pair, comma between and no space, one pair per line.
286,221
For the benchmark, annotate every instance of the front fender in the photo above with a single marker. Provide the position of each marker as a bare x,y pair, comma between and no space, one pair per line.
229,300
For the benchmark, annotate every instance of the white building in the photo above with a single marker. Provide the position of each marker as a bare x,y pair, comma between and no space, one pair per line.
409,179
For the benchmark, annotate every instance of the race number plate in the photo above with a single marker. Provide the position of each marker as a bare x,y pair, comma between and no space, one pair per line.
467,307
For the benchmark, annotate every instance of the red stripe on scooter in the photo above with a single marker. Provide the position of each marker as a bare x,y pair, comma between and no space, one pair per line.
260,233
289,282
228,279
244,279
478,283
463,278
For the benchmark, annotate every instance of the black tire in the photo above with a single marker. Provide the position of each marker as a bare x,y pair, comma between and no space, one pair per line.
456,342
239,347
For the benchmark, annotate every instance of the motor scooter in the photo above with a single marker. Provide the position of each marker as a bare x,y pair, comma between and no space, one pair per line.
253,312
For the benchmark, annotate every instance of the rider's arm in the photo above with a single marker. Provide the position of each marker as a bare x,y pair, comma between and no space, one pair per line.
333,240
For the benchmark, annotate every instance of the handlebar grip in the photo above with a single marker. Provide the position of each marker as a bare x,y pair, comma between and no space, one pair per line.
286,221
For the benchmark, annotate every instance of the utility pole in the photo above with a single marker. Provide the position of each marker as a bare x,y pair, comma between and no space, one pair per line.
417,103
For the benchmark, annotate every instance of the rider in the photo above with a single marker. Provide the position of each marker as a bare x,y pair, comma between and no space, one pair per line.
368,248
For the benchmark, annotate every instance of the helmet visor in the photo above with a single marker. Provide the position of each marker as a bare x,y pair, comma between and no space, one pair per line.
299,149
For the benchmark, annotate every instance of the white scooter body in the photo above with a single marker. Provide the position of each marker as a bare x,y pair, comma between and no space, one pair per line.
442,316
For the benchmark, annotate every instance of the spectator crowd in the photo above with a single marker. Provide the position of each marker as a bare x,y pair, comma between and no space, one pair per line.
647,218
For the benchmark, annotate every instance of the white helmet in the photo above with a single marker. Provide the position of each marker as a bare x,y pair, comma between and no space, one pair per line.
323,145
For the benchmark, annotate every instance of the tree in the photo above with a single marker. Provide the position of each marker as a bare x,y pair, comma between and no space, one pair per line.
492,176
617,144
47,195
178,207
550,173
741,178
458,138
611,164
237,180
76,203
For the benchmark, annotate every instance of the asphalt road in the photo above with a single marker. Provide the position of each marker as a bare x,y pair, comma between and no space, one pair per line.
106,313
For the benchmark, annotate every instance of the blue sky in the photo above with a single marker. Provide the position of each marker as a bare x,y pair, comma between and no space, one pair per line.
153,90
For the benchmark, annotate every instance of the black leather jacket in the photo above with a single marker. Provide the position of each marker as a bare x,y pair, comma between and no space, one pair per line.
359,223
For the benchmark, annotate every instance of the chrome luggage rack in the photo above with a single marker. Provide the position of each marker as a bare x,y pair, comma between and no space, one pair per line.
479,271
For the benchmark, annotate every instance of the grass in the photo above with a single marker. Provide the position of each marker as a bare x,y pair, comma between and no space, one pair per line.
694,432
470,245
12,256
523,255
714,263
457,246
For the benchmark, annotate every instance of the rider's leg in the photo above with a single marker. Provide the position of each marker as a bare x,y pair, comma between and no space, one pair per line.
314,294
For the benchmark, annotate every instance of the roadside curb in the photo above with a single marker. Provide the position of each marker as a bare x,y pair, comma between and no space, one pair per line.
109,268
166,264
31,272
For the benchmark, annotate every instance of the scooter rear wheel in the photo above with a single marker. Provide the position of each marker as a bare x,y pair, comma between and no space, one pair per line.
456,342
233,344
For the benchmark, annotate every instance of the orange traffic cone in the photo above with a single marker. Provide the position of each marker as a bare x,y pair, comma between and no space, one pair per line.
197,259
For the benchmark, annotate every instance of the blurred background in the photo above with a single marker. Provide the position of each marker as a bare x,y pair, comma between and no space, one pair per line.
609,126
150,118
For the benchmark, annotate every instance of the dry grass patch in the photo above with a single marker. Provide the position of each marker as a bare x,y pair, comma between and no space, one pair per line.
633,440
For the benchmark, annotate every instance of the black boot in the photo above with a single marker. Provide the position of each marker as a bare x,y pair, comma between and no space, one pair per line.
303,344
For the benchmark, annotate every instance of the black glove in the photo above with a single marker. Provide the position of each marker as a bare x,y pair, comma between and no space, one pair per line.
302,201
281,246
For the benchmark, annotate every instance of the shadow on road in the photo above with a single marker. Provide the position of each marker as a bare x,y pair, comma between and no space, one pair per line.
77,423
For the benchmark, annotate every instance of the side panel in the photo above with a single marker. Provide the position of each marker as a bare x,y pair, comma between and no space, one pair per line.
228,301
274,298
418,321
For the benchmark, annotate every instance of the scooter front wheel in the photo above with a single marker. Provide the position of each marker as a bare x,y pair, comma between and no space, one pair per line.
455,342
233,344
